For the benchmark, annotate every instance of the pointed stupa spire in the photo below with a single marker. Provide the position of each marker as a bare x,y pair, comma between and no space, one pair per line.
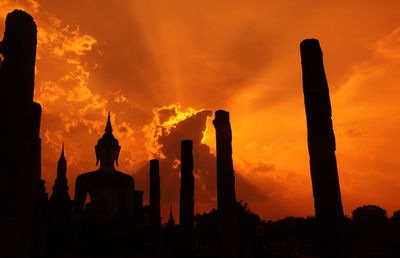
62,157
171,220
108,126
62,164
60,188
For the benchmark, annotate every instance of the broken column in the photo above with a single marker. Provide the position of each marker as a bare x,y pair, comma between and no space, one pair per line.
186,209
17,177
226,198
321,139
321,142
154,202
225,176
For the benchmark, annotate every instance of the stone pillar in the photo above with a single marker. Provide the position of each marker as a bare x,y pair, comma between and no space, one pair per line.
17,177
36,115
41,200
186,209
36,144
225,175
321,145
226,197
154,202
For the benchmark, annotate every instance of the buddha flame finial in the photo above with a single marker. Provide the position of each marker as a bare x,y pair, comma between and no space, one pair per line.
108,126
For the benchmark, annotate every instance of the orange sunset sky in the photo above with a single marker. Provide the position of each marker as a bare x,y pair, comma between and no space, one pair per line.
164,67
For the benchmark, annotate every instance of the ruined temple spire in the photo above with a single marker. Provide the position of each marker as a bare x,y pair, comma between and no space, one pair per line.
62,160
60,187
62,164
171,221
60,203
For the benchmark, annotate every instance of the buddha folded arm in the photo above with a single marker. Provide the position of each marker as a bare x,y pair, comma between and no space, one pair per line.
127,200
80,195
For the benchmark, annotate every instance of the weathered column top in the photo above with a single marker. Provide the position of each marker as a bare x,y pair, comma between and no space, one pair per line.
221,118
154,164
186,149
20,28
310,49
314,78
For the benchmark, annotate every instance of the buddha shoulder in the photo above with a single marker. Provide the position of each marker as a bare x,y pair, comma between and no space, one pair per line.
86,176
125,177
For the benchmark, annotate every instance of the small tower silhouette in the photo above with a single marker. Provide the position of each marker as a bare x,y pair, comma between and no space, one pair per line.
171,238
171,221
60,188
60,202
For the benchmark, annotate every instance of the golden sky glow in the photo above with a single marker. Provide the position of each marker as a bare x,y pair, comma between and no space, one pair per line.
162,66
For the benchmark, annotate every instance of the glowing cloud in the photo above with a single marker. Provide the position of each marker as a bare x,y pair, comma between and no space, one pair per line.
165,119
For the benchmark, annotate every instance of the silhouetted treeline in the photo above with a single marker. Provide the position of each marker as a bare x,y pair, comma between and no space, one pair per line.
369,233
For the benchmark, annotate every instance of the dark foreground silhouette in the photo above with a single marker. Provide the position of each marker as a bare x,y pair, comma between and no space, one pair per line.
114,223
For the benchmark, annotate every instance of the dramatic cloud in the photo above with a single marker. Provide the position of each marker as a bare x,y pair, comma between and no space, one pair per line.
169,127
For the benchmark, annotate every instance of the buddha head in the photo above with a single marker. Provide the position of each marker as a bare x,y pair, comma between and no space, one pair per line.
107,148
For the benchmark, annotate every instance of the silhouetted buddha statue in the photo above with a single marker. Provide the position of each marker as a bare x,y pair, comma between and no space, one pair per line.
111,192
